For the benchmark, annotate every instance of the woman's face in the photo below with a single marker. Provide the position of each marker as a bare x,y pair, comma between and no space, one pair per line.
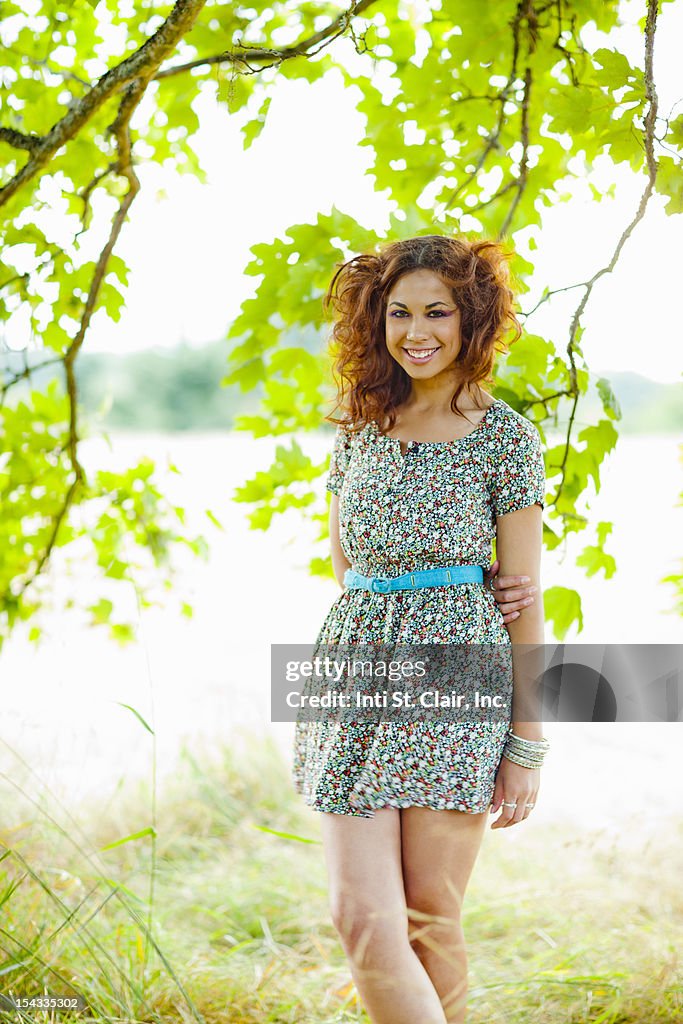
422,324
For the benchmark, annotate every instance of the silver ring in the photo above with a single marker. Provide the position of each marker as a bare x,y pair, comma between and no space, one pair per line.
529,805
508,805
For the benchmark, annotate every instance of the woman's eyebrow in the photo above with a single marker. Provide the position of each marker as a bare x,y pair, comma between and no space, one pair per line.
429,305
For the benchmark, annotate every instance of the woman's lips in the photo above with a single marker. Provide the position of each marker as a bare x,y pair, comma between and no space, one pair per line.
420,355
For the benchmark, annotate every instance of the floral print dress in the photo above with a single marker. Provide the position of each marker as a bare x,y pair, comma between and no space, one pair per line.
435,505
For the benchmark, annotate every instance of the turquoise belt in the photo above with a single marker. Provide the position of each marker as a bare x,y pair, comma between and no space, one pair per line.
445,577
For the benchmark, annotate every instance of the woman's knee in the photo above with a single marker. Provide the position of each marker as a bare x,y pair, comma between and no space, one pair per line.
432,912
360,920
433,896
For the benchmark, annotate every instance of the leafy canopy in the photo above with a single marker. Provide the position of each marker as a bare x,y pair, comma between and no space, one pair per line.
494,109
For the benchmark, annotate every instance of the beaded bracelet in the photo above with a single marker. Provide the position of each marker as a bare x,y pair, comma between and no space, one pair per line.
527,753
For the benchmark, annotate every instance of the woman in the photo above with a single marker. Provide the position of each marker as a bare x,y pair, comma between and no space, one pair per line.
426,469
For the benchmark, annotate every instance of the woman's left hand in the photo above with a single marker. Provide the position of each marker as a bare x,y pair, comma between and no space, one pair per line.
512,593
514,785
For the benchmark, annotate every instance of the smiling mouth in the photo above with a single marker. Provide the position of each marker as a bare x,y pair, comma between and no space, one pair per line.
420,355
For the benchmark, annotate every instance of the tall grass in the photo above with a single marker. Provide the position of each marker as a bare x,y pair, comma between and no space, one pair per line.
217,911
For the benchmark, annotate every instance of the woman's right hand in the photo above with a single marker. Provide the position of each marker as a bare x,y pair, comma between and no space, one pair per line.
512,593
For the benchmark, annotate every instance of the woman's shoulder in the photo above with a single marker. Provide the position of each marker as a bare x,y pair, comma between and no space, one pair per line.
512,424
348,429
348,434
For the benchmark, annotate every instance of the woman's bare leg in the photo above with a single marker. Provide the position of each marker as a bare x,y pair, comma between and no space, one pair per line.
368,907
439,851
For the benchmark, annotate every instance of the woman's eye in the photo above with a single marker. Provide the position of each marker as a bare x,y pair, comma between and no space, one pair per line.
439,313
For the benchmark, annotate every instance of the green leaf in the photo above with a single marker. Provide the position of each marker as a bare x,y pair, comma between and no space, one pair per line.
608,398
670,183
138,716
594,559
563,608
569,112
320,567
149,831
101,612
253,128
674,135
213,519
286,835
616,70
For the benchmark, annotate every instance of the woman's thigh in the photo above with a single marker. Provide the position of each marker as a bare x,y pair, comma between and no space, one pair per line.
439,849
363,858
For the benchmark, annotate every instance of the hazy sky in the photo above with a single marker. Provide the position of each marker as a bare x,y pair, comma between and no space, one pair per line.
187,252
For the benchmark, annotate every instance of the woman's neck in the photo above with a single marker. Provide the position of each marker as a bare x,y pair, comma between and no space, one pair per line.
429,402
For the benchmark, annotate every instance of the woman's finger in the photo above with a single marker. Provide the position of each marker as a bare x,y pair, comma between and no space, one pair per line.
516,807
529,805
520,810
513,606
513,587
508,808
490,573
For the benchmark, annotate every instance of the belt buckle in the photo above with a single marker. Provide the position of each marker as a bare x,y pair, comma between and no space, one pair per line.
380,585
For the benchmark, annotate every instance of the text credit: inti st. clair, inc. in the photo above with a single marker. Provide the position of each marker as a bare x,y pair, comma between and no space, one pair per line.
334,669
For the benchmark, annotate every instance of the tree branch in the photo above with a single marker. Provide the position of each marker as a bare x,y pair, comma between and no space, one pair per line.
25,374
15,277
523,9
549,294
651,161
85,194
568,56
522,178
19,140
120,128
142,64
248,55
129,80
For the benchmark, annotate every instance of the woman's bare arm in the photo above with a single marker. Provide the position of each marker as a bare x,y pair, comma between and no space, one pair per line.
518,545
519,537
340,562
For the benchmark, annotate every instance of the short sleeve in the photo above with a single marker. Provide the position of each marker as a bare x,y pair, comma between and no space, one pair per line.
519,477
339,460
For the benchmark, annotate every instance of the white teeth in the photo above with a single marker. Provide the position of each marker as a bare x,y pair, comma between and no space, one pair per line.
420,353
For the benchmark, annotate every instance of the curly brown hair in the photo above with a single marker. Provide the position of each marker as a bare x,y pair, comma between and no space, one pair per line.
370,383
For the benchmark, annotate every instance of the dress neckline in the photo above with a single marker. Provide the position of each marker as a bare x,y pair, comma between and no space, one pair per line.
437,444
